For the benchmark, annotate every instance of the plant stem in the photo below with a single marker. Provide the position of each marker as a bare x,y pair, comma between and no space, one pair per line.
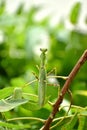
27,118
65,88
57,119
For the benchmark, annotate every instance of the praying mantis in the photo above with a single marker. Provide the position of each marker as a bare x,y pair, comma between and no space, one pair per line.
42,78
42,83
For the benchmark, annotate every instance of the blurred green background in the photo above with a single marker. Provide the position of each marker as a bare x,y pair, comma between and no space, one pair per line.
21,38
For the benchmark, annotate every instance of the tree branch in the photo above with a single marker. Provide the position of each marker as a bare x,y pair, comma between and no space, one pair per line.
65,88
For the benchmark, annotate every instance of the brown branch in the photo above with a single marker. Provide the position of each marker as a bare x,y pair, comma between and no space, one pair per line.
65,88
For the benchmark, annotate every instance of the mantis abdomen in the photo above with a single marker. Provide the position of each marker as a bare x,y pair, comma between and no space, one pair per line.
42,86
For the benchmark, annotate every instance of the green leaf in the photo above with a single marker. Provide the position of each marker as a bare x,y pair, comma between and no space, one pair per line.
6,105
16,126
30,16
13,101
2,6
10,20
84,112
70,125
82,121
74,15
81,92
2,128
20,9
5,92
32,106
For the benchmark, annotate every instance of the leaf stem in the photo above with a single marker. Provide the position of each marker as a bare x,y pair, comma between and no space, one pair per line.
27,118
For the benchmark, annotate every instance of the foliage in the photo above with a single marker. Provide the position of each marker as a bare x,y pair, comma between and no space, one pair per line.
21,35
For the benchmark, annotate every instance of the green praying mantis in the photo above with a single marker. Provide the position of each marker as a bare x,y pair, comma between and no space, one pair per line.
42,83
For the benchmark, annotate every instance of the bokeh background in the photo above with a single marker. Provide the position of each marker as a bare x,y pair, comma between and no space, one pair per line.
26,26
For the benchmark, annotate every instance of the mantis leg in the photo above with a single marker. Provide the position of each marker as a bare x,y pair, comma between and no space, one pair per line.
50,72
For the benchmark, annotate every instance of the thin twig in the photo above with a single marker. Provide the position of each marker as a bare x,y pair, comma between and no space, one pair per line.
57,119
26,118
65,88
